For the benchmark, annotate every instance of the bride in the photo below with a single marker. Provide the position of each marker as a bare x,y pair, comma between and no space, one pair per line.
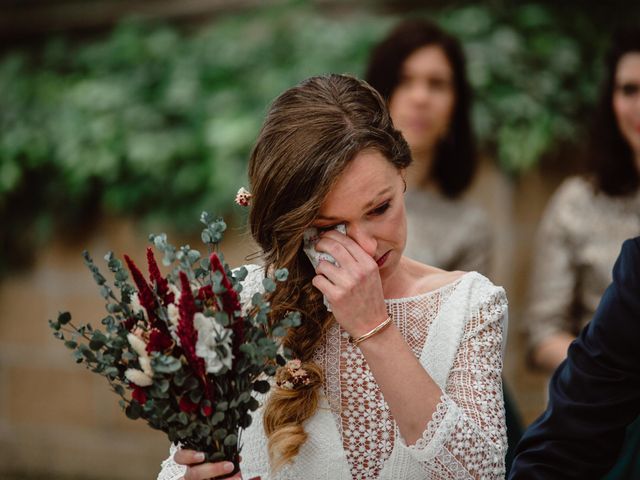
402,377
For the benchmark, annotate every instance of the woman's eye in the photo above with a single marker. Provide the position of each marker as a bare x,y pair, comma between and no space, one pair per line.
629,89
439,84
381,209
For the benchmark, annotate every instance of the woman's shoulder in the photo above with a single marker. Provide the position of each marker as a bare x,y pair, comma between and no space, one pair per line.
573,190
472,286
473,296
422,278
565,213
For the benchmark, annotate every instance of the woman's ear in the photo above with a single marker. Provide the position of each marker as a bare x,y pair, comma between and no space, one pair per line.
403,175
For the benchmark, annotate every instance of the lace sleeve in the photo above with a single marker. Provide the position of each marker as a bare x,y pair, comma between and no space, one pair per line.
466,437
170,470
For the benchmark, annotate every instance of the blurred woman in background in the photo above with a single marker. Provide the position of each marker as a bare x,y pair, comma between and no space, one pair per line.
589,217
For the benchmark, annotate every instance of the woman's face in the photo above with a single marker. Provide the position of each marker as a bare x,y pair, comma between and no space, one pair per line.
368,199
422,103
626,100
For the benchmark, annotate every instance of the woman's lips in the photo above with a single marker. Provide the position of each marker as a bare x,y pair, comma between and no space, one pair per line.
382,259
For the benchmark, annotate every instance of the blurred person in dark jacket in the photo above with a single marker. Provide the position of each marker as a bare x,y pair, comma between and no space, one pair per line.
595,393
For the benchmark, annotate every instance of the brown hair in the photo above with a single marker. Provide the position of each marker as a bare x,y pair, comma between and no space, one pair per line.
455,161
311,133
610,158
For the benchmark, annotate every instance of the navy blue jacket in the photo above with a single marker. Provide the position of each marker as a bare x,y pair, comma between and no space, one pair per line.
595,393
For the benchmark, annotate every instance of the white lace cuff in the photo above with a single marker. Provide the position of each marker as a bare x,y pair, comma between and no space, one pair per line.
436,433
170,470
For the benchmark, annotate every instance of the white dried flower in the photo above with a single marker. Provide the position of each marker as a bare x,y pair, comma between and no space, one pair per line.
138,345
136,306
173,313
214,343
138,378
145,364
173,331
176,292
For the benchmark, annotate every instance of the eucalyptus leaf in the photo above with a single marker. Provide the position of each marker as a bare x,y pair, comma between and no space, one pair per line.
281,274
231,440
261,386
268,284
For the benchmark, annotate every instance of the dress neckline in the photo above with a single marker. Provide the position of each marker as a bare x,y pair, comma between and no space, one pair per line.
421,296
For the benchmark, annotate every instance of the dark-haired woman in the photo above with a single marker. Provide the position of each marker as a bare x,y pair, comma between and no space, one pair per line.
588,218
420,70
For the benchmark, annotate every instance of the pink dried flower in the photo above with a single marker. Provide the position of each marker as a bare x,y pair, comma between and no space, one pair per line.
243,197
292,375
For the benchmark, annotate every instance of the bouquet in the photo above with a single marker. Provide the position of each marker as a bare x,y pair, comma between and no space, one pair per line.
180,350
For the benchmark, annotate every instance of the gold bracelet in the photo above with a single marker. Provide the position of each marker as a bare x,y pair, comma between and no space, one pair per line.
371,333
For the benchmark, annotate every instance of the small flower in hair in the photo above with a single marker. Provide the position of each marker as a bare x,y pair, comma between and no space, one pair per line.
292,375
243,197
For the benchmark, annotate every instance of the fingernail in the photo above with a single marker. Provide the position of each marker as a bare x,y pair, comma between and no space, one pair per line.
199,457
228,467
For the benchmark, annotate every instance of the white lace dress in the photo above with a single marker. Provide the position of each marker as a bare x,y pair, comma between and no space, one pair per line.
456,332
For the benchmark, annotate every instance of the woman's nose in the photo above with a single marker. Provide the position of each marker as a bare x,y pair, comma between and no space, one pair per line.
364,238
420,93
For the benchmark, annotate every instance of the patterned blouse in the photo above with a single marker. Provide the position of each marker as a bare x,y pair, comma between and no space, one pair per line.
578,241
448,234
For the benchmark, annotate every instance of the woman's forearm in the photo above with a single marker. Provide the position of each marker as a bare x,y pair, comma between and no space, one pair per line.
410,392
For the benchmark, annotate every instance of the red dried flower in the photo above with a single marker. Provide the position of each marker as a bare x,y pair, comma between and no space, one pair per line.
187,405
139,395
186,331
130,322
147,298
206,296
230,304
230,300
162,285
207,410
158,341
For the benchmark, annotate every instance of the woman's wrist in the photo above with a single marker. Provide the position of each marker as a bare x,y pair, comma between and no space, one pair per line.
379,328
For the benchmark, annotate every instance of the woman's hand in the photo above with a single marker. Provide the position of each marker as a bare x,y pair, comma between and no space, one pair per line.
354,289
196,470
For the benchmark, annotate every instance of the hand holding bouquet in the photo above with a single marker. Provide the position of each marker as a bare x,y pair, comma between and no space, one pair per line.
180,350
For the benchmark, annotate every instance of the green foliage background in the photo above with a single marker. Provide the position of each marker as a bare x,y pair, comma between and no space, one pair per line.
157,122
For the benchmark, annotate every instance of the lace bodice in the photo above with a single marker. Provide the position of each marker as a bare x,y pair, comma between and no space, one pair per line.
456,332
